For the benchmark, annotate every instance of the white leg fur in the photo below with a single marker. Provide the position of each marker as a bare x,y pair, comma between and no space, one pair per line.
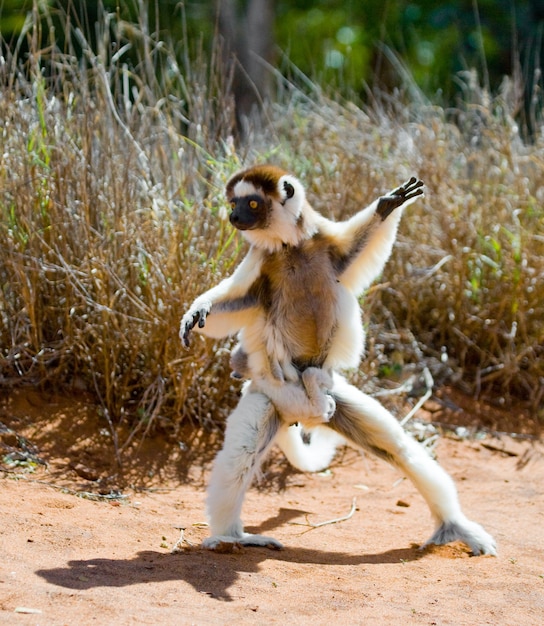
250,432
366,423
254,426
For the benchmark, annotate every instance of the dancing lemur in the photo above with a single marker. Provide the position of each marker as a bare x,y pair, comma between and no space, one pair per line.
293,302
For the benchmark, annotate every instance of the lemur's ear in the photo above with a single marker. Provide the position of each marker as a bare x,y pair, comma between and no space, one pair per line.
291,194
289,190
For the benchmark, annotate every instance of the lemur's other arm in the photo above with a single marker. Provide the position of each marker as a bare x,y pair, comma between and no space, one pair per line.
224,309
366,240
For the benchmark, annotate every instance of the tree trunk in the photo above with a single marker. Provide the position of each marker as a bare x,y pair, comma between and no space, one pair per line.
248,42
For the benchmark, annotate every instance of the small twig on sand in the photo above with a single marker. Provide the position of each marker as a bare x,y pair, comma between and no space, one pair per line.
178,546
489,446
331,521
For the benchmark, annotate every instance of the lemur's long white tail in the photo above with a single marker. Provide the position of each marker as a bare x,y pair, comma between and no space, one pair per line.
309,450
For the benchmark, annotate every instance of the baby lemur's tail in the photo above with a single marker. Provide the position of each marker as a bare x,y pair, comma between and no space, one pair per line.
309,450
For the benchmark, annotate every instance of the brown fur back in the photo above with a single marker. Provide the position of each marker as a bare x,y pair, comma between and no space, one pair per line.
298,292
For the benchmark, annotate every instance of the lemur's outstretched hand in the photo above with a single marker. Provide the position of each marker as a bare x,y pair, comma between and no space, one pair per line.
396,198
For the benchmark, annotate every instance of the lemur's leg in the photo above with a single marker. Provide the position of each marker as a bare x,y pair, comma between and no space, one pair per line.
251,429
365,422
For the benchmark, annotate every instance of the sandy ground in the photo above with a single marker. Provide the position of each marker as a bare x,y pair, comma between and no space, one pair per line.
81,543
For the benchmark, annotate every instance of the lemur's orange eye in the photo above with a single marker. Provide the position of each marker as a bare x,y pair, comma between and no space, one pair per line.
253,204
233,205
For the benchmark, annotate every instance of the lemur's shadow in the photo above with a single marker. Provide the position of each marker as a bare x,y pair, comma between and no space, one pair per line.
207,571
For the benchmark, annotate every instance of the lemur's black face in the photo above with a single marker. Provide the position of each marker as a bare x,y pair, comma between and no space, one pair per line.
250,212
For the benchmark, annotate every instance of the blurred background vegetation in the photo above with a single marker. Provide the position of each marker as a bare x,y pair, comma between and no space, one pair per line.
121,122
353,47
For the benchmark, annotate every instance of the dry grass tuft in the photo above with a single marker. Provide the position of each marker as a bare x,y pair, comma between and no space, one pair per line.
109,224
463,292
112,171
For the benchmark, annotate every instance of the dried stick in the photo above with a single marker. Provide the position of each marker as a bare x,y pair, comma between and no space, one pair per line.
178,546
332,521
429,383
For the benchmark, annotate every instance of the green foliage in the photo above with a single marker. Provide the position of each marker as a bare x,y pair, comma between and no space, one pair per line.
352,45
323,43
346,46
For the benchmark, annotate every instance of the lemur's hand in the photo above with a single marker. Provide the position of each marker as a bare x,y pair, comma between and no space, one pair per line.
195,315
396,198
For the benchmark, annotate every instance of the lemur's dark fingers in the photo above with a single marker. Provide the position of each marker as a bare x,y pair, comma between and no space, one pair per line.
412,185
185,337
407,187
413,194
399,191
198,317
387,204
413,180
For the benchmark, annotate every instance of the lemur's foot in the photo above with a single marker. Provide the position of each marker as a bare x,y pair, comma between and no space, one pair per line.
227,543
317,382
471,533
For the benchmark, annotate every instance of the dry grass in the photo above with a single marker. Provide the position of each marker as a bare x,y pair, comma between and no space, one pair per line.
112,173
464,289
109,224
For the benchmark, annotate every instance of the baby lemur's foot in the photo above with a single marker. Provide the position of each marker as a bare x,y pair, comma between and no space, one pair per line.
317,383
